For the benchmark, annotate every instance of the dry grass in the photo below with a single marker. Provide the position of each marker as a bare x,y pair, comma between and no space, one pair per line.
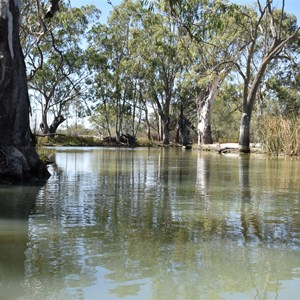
281,136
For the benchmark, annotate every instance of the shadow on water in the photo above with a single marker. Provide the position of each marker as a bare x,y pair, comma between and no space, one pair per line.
16,204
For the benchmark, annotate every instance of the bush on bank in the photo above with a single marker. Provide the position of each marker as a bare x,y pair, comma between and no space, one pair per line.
280,136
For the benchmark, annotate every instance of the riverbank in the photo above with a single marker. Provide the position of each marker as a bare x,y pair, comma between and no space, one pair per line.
90,141
224,148
94,141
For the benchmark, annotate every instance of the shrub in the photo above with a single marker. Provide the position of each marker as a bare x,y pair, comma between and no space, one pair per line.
280,135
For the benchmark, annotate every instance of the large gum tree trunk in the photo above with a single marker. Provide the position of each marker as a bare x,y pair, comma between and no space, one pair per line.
248,104
19,160
204,112
244,140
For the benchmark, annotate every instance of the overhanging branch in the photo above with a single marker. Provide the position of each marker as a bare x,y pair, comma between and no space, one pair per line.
53,9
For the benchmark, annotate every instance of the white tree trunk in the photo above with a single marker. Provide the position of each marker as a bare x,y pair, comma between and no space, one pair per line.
204,112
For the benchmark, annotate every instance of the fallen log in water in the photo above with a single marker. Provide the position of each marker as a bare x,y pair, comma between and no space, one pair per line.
225,148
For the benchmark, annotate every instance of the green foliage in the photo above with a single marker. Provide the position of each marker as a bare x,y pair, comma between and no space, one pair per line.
135,61
226,115
152,66
55,58
283,86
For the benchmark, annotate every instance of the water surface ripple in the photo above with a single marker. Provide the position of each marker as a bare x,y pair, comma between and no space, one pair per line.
153,224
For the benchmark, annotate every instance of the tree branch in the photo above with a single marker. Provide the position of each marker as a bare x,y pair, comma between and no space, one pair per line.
53,9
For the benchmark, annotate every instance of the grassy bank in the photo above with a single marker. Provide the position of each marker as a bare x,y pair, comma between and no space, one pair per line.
86,141
278,136
69,140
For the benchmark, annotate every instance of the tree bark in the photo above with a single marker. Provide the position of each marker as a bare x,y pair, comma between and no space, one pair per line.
183,127
56,122
51,130
204,112
44,124
166,133
19,160
148,124
249,100
244,141
272,50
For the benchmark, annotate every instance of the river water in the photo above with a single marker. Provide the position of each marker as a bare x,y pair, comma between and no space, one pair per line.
153,224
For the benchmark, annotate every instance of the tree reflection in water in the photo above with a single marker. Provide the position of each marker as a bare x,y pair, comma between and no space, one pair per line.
16,204
162,224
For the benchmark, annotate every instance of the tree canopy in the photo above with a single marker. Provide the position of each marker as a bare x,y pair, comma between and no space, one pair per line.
167,70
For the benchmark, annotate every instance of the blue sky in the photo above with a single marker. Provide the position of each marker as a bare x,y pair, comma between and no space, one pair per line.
101,4
291,6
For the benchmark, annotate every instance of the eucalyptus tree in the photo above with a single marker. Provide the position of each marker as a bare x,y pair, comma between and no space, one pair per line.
18,157
226,111
283,85
210,46
110,58
264,28
55,61
185,109
267,32
157,44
